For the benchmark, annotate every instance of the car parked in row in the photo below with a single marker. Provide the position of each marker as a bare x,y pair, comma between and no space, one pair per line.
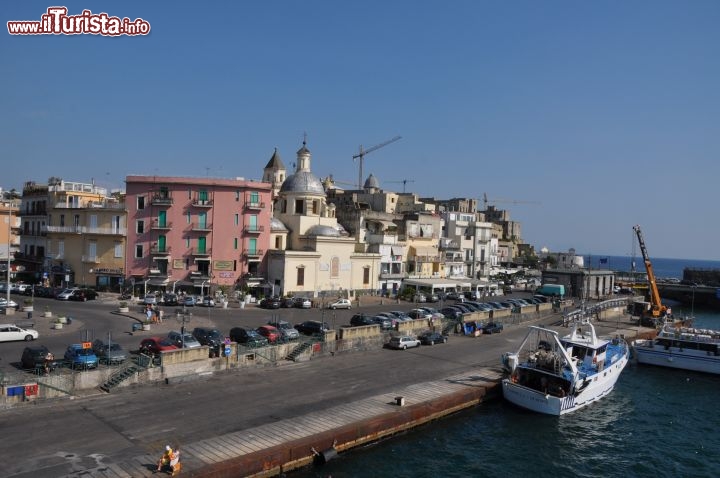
155,345
492,328
183,340
170,299
247,337
189,301
208,301
302,303
5,304
403,342
269,332
270,303
79,357
312,327
83,295
110,353
65,294
34,358
287,331
208,336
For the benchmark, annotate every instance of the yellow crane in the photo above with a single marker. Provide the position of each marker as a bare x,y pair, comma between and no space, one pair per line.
361,156
657,309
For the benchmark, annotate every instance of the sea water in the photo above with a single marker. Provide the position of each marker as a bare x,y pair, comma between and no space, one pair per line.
657,422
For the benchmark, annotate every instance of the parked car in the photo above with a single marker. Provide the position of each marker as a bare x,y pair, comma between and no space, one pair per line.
401,316
65,294
11,332
247,337
403,342
269,332
287,331
180,340
33,357
454,313
302,303
420,314
311,327
170,299
78,357
432,338
340,304
432,298
150,299
208,301
5,304
83,295
358,320
492,328
383,322
270,303
155,345
189,301
109,353
419,298
207,336
436,314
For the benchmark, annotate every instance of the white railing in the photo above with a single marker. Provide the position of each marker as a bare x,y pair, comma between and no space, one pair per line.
113,231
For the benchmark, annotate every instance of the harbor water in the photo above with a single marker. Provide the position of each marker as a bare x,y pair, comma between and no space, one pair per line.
656,423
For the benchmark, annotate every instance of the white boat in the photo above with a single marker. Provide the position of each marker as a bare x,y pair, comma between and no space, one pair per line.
554,375
683,348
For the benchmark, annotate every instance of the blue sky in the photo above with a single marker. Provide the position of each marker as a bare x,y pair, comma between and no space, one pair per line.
592,116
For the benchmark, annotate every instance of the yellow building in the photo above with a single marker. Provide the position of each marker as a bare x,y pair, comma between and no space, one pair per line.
85,234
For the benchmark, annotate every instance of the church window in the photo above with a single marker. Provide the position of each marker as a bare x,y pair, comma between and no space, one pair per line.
299,206
366,275
301,275
334,267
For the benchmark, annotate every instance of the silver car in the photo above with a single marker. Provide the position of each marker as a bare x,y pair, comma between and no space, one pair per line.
185,340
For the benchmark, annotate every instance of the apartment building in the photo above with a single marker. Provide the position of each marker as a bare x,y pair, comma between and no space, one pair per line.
196,234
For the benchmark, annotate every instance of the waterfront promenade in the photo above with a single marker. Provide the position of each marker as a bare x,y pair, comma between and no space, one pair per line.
230,424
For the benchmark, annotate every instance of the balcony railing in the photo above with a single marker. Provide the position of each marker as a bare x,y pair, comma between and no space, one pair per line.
105,231
155,249
161,200
91,259
254,204
201,227
160,225
252,252
200,252
253,229
202,202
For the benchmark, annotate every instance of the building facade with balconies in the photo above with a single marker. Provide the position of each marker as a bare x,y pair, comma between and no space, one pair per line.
196,233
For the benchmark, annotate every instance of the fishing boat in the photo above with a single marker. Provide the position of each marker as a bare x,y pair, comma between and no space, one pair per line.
681,347
557,375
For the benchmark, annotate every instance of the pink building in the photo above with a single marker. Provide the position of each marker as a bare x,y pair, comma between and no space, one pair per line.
191,233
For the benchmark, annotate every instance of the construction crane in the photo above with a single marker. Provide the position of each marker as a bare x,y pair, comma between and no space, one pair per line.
657,310
404,182
486,201
363,152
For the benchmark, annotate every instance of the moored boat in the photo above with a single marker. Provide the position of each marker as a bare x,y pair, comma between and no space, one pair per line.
679,347
553,375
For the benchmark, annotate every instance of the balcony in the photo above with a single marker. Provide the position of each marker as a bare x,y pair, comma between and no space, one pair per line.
202,203
250,229
201,227
155,249
253,254
160,225
393,275
200,252
161,200
254,204
102,231
91,259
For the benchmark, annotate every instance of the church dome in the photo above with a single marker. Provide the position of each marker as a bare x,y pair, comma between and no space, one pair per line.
325,231
276,225
303,182
372,182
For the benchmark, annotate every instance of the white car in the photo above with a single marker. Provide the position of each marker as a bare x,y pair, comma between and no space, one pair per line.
10,332
403,342
340,304
178,339
65,295
150,299
4,303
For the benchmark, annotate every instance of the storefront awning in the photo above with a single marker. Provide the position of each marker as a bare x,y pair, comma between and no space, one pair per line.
398,250
157,281
425,252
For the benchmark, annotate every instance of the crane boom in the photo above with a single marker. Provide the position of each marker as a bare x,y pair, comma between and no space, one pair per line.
363,152
657,308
